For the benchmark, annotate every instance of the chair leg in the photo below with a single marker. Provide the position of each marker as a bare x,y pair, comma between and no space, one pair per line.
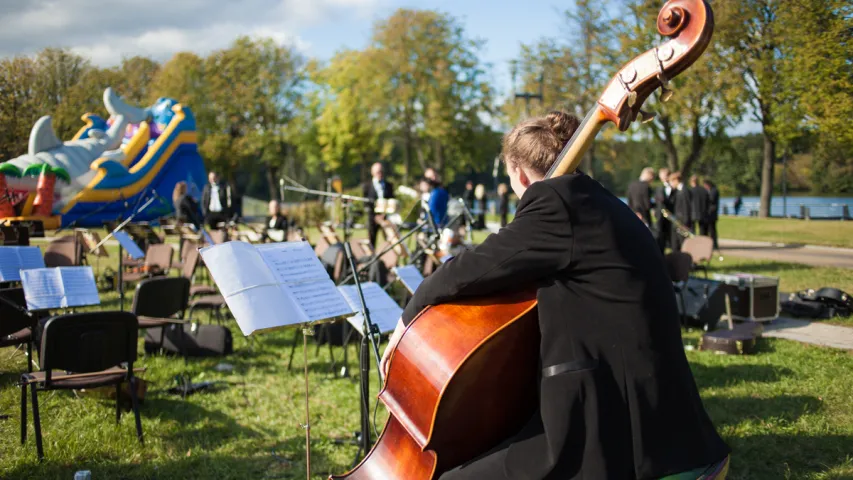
37,421
29,357
135,402
118,404
23,413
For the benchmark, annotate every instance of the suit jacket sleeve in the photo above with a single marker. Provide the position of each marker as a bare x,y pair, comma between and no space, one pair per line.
535,245
205,199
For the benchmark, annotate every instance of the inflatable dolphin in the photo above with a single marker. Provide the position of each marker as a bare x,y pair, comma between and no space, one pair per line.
76,156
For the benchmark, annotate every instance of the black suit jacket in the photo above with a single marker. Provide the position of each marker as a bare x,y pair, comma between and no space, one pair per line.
682,205
713,204
187,211
369,192
606,302
640,198
699,202
224,198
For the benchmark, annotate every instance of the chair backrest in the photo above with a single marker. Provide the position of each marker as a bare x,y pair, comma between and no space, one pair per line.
12,319
700,247
159,255
163,297
321,247
678,265
89,342
334,259
391,258
361,248
64,251
190,263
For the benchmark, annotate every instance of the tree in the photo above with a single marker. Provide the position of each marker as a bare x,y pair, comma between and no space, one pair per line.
253,86
706,100
434,85
350,124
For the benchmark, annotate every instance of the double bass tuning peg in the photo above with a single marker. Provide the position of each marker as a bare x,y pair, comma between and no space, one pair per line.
665,94
646,117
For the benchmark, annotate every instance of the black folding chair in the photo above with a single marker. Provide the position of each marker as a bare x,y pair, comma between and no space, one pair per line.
16,327
93,349
160,302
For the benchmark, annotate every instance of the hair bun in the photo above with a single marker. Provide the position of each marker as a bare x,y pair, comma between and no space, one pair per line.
562,124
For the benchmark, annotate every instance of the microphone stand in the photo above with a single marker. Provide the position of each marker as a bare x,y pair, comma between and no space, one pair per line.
118,228
369,341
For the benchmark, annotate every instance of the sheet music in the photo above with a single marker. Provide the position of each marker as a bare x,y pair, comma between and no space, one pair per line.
384,311
129,245
273,285
319,299
292,262
79,286
13,259
410,276
61,287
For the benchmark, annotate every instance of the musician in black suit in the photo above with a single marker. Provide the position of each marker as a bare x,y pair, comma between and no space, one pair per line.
276,220
699,205
375,189
640,195
215,201
682,209
616,396
713,209
663,200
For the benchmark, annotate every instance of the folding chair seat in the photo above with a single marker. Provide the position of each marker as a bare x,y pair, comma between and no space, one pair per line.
211,303
92,349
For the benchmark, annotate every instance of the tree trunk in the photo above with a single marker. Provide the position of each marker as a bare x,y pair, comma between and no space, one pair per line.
697,141
767,174
669,145
272,181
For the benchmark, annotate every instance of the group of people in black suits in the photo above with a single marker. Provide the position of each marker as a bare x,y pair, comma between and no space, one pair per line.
695,206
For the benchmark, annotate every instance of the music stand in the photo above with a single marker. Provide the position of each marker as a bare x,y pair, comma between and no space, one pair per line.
278,285
119,228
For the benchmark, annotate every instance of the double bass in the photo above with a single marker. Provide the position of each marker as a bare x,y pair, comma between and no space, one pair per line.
463,377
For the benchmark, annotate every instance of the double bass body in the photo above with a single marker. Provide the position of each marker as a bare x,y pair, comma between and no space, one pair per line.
459,383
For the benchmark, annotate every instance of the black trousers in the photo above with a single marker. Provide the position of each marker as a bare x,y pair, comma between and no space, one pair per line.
664,233
214,218
712,231
372,228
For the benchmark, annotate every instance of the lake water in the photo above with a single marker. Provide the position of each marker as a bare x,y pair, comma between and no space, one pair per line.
818,207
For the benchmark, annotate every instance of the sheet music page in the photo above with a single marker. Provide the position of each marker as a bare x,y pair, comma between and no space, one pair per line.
129,245
13,259
384,311
410,276
250,289
30,257
42,288
296,267
78,285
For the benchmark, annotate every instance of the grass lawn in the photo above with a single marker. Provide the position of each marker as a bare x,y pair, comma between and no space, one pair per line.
787,412
834,233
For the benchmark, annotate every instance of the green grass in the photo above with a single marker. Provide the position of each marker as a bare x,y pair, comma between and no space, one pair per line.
787,412
832,233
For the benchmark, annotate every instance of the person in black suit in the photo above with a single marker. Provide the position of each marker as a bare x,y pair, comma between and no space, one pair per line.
640,195
215,201
663,199
699,203
682,209
713,209
616,395
186,208
275,221
377,188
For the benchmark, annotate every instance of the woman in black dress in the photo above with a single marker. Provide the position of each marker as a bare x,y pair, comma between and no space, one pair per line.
617,399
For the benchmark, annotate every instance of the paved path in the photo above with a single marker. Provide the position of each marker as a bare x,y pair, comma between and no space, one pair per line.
817,333
806,254
789,253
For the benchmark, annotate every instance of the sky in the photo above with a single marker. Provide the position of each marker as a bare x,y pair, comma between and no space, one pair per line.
107,30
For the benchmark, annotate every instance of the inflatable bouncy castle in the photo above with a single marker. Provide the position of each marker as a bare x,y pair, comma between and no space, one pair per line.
108,169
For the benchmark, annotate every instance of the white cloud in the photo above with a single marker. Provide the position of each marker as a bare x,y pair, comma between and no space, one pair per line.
107,31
